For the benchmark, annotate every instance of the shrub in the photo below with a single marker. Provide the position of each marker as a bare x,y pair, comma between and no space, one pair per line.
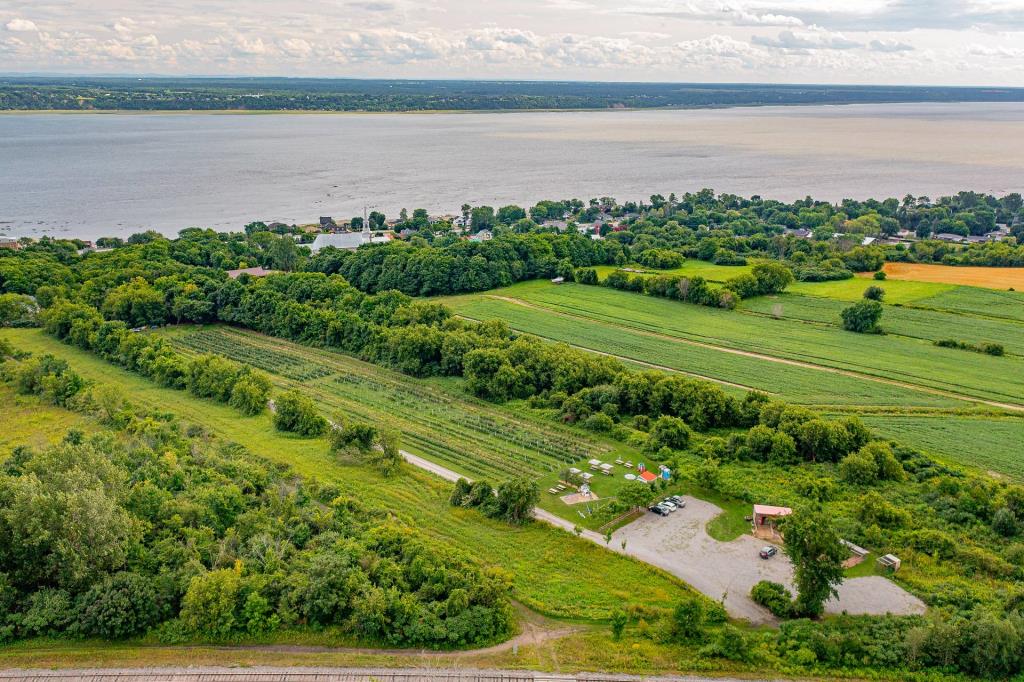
586,275
859,468
772,277
359,436
862,317
297,413
599,422
619,620
880,275
208,607
123,605
250,393
874,293
774,597
686,623
729,643
669,432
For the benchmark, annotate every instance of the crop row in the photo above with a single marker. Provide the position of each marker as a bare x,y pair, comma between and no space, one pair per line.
479,439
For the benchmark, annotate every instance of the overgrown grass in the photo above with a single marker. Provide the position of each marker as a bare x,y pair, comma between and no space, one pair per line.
552,572
27,420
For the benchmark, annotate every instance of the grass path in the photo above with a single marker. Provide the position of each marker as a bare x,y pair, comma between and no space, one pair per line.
762,356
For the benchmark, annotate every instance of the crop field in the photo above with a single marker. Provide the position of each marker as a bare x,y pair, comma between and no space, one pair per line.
552,571
993,278
446,426
797,384
919,323
992,443
982,302
909,361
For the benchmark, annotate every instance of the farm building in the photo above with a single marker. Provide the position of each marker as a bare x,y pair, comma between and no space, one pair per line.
765,520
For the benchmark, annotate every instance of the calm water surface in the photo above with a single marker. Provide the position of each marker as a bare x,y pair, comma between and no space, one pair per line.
93,175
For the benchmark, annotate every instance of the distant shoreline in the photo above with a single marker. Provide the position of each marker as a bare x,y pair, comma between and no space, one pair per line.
524,110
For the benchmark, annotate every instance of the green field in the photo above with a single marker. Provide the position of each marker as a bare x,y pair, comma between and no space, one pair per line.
912,362
552,572
690,268
986,302
919,323
992,444
897,291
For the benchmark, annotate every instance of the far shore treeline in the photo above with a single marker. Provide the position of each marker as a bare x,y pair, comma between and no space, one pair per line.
84,93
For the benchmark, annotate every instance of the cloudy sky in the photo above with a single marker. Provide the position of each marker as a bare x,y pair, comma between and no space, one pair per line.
955,42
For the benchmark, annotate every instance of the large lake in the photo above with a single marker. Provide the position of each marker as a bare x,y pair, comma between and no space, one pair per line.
89,175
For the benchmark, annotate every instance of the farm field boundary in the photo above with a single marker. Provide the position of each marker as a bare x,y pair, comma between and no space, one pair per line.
771,358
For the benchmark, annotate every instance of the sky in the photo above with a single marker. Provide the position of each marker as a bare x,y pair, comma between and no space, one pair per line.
927,42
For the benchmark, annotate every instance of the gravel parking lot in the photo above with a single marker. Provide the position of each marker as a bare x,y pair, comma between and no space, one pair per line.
679,544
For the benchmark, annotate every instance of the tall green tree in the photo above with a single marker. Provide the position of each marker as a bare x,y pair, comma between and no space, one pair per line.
812,544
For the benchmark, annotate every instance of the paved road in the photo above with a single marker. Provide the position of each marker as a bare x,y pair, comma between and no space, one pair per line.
679,544
270,674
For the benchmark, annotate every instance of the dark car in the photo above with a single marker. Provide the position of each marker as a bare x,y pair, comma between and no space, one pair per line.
659,510
768,551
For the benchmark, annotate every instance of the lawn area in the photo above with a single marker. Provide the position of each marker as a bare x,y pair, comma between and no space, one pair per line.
989,443
690,267
27,420
552,572
896,291
910,361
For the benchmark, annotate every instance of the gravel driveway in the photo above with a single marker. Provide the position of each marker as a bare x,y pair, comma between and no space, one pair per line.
679,544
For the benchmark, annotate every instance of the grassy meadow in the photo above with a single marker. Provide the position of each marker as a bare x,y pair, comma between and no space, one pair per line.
552,572
27,420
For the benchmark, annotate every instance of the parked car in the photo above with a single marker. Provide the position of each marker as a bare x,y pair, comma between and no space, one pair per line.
678,500
768,551
672,506
659,510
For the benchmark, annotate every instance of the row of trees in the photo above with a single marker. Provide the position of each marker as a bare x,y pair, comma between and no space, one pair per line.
206,376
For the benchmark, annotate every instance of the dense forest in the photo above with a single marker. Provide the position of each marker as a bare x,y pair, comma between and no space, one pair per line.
164,513
304,94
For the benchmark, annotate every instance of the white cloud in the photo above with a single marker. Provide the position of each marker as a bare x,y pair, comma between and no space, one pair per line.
710,40
890,46
813,39
21,26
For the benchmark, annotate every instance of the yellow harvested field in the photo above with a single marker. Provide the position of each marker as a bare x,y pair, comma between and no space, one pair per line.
992,278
